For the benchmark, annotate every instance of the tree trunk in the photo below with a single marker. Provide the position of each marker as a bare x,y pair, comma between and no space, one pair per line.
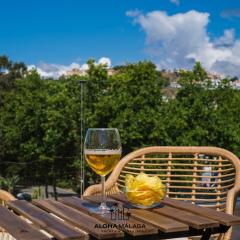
55,189
46,188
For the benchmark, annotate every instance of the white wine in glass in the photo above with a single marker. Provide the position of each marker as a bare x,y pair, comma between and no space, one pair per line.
102,150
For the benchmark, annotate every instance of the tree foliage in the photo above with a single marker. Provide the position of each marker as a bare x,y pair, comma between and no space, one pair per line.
40,118
132,103
9,72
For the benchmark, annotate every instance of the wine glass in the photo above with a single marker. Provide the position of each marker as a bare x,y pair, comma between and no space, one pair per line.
102,150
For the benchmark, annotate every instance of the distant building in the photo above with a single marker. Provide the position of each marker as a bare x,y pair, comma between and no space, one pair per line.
215,76
175,85
83,72
236,84
76,71
111,71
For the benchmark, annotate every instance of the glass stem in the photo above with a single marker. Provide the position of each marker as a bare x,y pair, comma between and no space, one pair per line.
103,207
103,191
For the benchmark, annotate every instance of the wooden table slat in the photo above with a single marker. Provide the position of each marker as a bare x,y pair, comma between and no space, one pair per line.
172,219
131,226
193,220
79,219
54,226
163,223
223,218
17,227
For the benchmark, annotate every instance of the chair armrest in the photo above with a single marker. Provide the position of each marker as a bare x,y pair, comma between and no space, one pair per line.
6,196
231,199
93,189
230,205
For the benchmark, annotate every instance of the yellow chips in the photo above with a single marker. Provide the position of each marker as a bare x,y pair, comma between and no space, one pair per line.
143,189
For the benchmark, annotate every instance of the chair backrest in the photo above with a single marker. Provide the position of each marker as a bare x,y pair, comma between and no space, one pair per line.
202,175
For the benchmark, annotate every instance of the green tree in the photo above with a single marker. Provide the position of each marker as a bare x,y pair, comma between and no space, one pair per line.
201,114
226,118
9,72
96,85
40,125
40,118
132,103
188,116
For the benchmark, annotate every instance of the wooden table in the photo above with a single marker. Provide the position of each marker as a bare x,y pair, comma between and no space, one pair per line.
70,218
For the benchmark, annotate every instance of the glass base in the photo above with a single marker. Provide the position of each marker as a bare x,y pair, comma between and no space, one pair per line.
101,209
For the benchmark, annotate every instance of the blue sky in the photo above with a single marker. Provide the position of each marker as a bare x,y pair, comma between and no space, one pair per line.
71,31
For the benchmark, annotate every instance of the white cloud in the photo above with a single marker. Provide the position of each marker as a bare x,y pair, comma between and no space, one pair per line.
84,67
231,13
176,2
230,68
227,39
133,13
49,70
177,41
105,61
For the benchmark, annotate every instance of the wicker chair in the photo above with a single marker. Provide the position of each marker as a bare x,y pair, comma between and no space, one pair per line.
5,197
207,176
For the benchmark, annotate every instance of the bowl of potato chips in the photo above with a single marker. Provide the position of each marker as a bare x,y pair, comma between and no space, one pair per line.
144,191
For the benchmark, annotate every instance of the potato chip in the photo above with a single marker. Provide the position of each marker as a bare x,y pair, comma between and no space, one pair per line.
144,190
129,180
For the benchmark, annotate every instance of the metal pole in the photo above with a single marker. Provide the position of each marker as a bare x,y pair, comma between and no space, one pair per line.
82,171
